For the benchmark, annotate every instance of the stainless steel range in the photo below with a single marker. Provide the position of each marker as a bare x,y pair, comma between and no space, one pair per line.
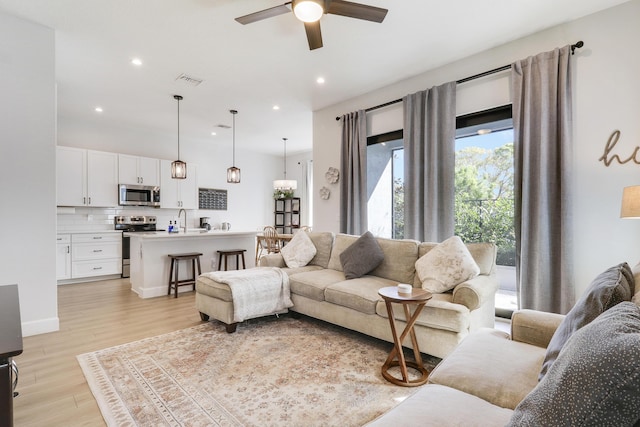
132,224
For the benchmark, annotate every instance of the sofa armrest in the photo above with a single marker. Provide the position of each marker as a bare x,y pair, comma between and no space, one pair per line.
476,292
534,327
272,260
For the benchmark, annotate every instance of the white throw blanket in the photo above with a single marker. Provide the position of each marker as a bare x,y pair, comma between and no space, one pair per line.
256,292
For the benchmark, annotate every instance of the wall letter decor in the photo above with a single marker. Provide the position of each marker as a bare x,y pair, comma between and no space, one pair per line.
608,158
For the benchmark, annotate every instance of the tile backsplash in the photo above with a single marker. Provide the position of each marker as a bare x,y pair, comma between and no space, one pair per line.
77,219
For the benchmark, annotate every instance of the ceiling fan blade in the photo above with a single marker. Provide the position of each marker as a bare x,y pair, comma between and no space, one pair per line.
357,10
314,35
264,14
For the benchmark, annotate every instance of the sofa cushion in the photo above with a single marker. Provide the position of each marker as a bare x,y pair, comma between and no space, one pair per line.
207,286
399,257
490,366
595,380
446,265
361,257
299,251
611,287
311,284
483,253
359,294
438,313
436,405
323,242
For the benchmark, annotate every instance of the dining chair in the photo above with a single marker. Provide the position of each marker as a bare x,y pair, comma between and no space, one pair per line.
272,242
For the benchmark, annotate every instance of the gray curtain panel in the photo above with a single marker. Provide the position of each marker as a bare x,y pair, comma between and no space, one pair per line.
353,182
429,156
542,121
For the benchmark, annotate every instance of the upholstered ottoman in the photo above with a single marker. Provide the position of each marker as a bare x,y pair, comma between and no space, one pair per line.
234,296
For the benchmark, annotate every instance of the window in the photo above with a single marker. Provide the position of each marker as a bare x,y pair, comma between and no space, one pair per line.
484,205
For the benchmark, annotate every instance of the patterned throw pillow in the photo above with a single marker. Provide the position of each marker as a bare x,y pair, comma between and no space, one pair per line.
364,255
446,265
611,287
299,251
596,379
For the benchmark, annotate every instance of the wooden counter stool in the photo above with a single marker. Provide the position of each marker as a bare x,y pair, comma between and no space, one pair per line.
231,252
175,283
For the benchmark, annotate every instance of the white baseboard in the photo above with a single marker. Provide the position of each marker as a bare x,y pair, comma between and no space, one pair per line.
43,326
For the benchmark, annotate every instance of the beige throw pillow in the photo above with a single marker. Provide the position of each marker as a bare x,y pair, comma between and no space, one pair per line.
299,251
446,265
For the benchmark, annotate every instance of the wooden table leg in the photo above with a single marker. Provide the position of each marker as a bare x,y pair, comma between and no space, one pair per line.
402,363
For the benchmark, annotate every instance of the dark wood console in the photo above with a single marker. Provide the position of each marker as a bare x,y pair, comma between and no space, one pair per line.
10,346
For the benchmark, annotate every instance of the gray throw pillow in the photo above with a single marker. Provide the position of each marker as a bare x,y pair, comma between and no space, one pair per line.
608,289
596,379
362,256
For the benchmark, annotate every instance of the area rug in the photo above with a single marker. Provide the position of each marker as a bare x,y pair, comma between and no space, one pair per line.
271,372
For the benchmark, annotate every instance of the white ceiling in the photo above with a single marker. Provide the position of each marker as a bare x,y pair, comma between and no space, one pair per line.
252,67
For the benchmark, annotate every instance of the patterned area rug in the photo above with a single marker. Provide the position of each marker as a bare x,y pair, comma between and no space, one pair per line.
272,371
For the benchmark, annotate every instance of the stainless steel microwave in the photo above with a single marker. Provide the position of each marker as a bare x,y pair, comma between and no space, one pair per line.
138,195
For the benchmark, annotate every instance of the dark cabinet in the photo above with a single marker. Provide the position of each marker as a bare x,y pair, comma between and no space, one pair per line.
287,215
10,346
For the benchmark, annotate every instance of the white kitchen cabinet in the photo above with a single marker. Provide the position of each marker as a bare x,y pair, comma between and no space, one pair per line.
63,257
178,193
138,170
96,254
86,177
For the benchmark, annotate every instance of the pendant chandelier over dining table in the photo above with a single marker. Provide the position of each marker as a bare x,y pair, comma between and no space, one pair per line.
285,184
233,173
178,167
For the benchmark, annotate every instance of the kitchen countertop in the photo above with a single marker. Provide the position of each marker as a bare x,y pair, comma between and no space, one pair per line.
195,233
87,231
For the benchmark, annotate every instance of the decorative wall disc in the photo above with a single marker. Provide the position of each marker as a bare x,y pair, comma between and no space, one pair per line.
332,175
325,193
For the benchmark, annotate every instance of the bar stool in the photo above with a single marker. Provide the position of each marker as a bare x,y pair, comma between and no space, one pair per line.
231,252
175,263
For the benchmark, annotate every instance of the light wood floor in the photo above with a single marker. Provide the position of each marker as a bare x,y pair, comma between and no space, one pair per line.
93,316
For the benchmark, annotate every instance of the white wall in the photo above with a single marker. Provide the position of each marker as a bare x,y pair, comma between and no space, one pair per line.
606,99
27,185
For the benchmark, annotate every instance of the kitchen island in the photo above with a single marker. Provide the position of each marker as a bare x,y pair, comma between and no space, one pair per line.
150,263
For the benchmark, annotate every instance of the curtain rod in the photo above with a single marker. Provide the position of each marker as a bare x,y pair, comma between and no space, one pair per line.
575,46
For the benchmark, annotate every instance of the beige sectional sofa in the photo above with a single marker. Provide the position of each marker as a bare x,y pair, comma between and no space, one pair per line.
483,380
320,290
554,370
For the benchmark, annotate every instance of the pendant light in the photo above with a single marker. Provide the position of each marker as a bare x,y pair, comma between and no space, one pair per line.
233,173
285,184
178,167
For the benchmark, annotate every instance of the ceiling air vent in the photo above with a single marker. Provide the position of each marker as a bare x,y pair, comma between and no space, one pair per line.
223,126
193,81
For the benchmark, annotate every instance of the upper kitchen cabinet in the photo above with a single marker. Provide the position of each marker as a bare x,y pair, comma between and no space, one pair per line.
138,170
178,193
86,177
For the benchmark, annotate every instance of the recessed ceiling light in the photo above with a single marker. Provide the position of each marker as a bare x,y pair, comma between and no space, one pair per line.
483,131
320,80
213,134
98,109
276,107
136,61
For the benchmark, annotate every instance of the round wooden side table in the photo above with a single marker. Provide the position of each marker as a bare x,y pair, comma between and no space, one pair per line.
419,297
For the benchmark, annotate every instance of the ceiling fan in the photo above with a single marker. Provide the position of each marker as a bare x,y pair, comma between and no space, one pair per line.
310,12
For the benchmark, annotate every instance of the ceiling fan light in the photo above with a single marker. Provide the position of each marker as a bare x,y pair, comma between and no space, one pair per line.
308,10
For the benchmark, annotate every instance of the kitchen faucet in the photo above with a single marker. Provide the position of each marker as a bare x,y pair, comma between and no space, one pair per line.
185,218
